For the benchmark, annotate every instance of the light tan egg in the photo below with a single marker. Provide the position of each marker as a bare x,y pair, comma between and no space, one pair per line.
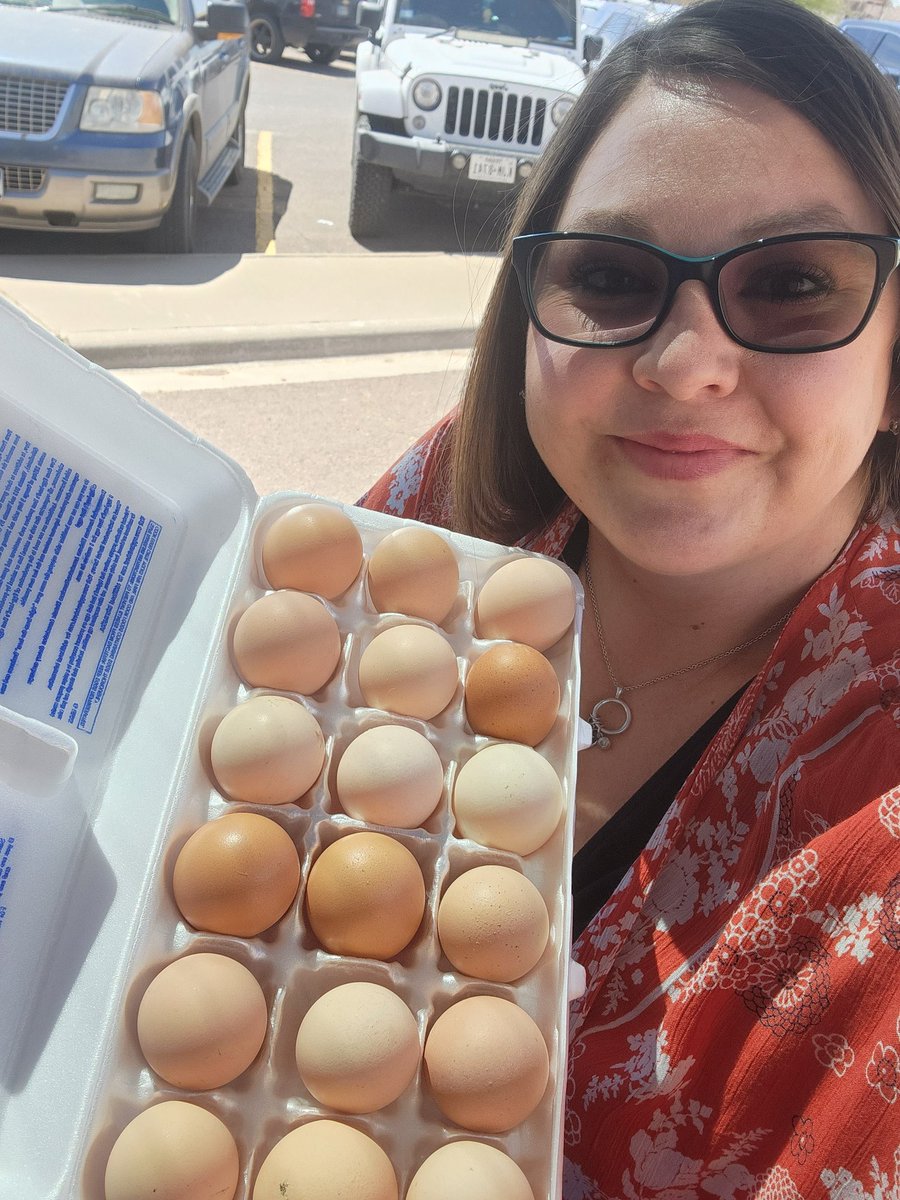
267,750
286,640
326,1160
529,600
409,669
413,571
365,896
493,923
486,1064
466,1170
236,875
390,775
509,797
312,548
173,1151
202,1021
512,693
357,1048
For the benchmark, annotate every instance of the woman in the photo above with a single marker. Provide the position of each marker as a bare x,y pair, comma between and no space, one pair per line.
710,439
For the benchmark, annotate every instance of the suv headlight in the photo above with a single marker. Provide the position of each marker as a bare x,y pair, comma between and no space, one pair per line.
427,94
122,110
560,108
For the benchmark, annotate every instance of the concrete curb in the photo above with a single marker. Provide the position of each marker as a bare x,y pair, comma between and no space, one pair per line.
204,347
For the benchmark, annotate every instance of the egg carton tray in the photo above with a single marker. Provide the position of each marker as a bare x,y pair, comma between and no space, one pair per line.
115,668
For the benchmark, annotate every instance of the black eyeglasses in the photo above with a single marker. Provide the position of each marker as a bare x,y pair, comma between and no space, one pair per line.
785,295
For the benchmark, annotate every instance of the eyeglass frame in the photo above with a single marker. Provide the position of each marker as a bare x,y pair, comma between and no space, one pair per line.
707,269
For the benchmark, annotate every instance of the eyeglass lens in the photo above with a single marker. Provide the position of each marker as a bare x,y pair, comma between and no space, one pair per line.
793,295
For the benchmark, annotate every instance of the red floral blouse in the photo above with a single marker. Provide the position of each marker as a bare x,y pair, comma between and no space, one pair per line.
740,1033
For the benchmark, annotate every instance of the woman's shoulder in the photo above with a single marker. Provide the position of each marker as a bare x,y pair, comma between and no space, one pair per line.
417,486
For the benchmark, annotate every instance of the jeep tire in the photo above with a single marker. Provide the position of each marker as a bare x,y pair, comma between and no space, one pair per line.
370,198
266,38
175,232
321,54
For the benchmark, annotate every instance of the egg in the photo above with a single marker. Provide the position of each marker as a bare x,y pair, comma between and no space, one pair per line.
469,1170
312,548
236,875
413,571
326,1160
409,669
365,896
512,693
267,750
493,923
357,1048
509,797
486,1064
173,1151
390,775
529,600
202,1021
286,640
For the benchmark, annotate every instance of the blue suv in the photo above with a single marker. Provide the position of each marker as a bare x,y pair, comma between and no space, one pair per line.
880,40
120,115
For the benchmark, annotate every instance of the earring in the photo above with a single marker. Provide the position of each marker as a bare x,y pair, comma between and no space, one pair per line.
894,426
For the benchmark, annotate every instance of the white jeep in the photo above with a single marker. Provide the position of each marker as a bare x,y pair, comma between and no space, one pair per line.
458,97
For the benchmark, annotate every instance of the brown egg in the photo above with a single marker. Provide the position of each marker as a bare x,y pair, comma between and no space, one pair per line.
236,875
487,1064
365,896
508,796
413,571
358,1048
493,923
512,693
173,1151
528,600
202,1021
474,1170
409,669
267,750
326,1160
287,640
312,548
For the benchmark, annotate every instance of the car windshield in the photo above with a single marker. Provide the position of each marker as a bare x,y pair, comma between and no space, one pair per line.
157,11
534,20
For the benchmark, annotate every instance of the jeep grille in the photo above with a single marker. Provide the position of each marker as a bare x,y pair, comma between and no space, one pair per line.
22,179
29,105
493,116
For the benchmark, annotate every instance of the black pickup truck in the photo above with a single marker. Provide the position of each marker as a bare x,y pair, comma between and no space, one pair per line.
322,28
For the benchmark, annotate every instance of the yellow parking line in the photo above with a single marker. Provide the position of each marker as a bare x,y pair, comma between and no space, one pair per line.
265,221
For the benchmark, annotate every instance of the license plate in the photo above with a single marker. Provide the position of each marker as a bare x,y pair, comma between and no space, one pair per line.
343,10
492,168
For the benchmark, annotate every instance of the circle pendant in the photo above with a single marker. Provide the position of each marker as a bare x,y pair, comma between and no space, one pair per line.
602,732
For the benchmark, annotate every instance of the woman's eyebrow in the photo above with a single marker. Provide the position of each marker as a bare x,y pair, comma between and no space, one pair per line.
629,223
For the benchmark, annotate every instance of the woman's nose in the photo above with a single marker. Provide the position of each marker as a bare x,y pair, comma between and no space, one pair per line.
690,356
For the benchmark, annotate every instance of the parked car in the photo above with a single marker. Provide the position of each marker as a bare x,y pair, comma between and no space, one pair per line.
321,28
120,115
880,40
605,23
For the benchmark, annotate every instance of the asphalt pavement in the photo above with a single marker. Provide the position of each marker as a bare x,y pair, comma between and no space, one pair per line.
132,311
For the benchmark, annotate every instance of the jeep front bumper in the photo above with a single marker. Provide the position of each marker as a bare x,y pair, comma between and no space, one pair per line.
438,166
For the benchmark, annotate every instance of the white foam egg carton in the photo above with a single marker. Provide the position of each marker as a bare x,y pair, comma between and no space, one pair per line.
128,549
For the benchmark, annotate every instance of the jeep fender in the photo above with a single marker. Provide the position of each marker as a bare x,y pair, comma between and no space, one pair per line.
367,56
380,92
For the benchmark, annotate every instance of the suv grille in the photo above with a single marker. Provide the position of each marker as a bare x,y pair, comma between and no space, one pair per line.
29,105
22,179
492,116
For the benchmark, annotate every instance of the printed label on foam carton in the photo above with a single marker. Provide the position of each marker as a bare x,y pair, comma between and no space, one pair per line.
73,559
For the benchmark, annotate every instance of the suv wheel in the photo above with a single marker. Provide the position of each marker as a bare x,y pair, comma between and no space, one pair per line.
323,55
266,38
175,232
370,197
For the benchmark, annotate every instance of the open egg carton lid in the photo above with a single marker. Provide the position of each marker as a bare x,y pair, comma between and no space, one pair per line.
125,545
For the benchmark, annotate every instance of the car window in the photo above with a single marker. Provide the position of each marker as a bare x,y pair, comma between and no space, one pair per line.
867,38
887,54
138,10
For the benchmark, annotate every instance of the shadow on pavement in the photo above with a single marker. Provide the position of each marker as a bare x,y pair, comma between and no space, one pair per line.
424,224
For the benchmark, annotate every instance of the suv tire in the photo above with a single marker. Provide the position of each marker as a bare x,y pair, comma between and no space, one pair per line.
266,38
370,197
321,54
175,233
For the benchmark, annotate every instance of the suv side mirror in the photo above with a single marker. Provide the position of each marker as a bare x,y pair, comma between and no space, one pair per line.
223,19
593,48
369,14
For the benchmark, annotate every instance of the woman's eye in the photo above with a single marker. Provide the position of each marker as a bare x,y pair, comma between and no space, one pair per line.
784,284
609,280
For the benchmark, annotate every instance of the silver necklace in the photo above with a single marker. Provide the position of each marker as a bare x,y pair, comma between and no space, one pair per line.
601,733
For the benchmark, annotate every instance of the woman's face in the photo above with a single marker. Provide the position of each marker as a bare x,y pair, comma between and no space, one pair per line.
698,172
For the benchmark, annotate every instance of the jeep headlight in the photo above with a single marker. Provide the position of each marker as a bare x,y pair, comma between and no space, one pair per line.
560,107
122,110
426,94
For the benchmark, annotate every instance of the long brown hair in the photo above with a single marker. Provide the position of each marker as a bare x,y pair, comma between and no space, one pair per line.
501,487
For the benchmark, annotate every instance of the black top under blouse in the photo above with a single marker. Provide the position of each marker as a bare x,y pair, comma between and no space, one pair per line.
603,861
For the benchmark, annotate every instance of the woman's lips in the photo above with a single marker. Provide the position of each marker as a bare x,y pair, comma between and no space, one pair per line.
679,456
